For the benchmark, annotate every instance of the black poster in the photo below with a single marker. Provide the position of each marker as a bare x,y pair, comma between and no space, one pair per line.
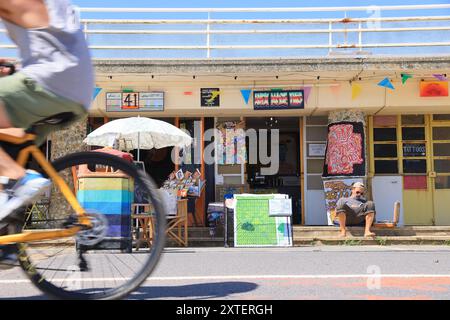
210,97
275,100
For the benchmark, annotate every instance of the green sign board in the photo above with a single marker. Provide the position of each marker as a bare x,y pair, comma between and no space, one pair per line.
253,227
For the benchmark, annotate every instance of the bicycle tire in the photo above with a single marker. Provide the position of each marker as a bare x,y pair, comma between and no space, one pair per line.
159,236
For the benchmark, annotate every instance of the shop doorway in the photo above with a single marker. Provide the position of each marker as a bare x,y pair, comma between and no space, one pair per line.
287,178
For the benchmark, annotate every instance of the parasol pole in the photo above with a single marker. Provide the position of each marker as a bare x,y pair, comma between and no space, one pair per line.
139,150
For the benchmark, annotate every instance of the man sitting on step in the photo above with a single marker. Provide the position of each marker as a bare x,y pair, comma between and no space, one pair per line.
355,211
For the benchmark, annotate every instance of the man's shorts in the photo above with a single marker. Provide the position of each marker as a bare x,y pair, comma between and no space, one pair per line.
27,102
355,216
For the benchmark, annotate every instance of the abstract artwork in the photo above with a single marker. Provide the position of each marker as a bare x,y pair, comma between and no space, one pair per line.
334,190
345,154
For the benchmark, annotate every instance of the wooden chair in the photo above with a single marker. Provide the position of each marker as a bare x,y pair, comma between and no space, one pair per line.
178,223
143,230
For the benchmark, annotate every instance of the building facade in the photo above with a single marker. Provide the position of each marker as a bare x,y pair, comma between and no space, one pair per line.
407,131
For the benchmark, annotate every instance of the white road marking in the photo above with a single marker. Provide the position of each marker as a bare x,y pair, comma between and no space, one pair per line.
246,277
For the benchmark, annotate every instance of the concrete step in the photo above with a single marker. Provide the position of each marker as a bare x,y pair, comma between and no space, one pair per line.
198,242
379,240
330,231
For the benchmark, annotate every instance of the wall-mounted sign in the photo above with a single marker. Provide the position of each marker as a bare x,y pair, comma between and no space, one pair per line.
414,150
134,101
210,97
317,149
274,100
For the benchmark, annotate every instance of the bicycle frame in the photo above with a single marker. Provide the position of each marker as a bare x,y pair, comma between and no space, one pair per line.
33,151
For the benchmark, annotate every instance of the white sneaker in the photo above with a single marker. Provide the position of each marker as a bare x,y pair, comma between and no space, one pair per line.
23,192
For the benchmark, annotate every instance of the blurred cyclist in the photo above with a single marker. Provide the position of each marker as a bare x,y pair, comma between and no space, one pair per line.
53,88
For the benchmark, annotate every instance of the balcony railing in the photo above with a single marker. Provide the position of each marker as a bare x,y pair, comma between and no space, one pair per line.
263,32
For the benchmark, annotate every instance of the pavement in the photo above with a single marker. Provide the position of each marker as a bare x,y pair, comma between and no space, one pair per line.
299,273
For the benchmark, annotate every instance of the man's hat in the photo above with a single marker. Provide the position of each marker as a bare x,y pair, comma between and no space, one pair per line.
358,185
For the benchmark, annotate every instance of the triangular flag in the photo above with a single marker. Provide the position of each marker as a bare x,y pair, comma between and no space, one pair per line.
246,94
307,91
335,89
405,77
440,77
386,83
96,92
356,90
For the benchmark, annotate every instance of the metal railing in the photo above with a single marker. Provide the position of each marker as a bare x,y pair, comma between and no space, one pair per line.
213,37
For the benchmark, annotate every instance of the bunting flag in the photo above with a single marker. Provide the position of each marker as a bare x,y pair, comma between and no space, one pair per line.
440,77
246,94
96,92
356,90
386,83
405,77
306,92
335,90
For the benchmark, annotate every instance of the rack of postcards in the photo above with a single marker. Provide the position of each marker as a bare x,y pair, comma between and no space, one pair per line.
184,184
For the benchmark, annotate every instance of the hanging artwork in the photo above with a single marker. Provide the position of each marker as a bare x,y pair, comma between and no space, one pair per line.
434,89
231,147
345,153
334,190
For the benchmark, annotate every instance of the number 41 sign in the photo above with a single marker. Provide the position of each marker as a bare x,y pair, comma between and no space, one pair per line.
134,101
130,101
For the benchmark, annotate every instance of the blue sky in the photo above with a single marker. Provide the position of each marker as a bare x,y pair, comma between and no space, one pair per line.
255,39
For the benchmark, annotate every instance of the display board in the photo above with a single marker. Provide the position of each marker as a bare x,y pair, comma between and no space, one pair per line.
253,227
134,101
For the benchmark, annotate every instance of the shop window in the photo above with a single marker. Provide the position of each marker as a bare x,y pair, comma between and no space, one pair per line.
385,150
385,134
415,183
441,149
442,166
442,182
441,133
414,150
314,182
315,165
386,166
413,119
441,117
413,133
316,133
415,166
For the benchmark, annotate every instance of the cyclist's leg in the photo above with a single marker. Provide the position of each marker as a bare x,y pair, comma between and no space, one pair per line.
8,167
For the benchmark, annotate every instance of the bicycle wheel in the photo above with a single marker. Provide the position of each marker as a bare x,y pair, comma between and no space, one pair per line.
101,263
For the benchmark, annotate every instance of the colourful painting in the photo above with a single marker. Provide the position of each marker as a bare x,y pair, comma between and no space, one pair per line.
253,227
334,190
231,146
434,88
345,155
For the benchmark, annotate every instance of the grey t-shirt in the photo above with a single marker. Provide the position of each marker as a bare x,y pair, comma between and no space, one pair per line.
57,57
355,205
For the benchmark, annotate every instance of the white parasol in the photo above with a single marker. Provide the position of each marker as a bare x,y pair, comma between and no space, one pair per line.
138,133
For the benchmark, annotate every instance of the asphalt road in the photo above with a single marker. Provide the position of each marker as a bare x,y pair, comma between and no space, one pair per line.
301,273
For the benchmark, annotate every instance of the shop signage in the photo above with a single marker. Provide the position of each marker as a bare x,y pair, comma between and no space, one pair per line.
210,97
317,149
414,150
134,101
274,100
